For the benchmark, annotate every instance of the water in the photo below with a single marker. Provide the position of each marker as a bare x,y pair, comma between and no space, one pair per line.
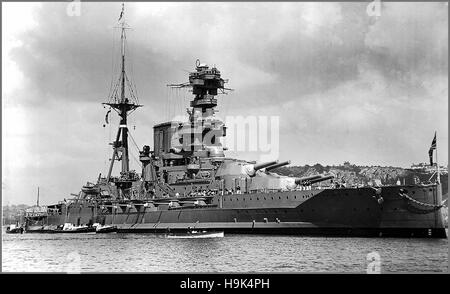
233,253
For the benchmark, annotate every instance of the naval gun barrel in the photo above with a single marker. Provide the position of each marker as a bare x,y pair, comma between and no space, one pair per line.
324,178
314,179
251,171
263,165
303,180
277,165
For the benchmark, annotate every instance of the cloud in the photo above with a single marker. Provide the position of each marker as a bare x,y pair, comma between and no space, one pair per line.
410,39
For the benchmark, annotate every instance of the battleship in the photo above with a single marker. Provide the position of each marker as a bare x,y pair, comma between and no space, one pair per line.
187,182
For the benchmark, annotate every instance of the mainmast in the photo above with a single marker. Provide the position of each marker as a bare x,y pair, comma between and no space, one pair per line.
122,105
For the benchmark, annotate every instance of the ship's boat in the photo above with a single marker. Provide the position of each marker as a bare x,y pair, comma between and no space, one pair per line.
70,228
101,229
187,181
194,234
14,229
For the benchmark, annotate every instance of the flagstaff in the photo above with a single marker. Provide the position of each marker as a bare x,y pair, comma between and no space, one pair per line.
437,162
430,153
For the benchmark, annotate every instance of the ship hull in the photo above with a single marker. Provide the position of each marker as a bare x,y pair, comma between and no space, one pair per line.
395,211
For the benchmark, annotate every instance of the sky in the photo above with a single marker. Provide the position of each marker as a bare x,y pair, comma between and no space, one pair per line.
346,83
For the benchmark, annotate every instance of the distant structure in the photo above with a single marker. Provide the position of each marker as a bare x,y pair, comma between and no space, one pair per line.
427,168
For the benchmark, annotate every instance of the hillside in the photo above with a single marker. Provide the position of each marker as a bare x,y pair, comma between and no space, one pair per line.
362,175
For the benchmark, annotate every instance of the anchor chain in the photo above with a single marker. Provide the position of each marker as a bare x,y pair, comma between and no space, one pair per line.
377,195
421,208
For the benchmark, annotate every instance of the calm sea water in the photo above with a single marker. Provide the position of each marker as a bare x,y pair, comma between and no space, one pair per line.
233,253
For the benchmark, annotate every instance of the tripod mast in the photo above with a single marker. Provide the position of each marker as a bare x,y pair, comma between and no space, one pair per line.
122,105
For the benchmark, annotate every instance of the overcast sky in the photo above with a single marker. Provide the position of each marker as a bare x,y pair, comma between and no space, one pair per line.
347,86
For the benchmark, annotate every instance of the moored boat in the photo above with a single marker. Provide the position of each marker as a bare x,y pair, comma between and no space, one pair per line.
99,229
194,234
70,228
14,229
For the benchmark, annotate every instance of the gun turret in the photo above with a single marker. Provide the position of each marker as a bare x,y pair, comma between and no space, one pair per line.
304,180
278,165
251,170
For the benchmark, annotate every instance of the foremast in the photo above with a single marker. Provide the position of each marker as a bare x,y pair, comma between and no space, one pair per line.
123,104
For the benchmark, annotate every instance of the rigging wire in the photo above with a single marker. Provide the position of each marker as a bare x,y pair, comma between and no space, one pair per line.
130,66
112,67
137,148
185,102
135,159
175,103
170,104
132,139
180,103
166,104
131,89
132,84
